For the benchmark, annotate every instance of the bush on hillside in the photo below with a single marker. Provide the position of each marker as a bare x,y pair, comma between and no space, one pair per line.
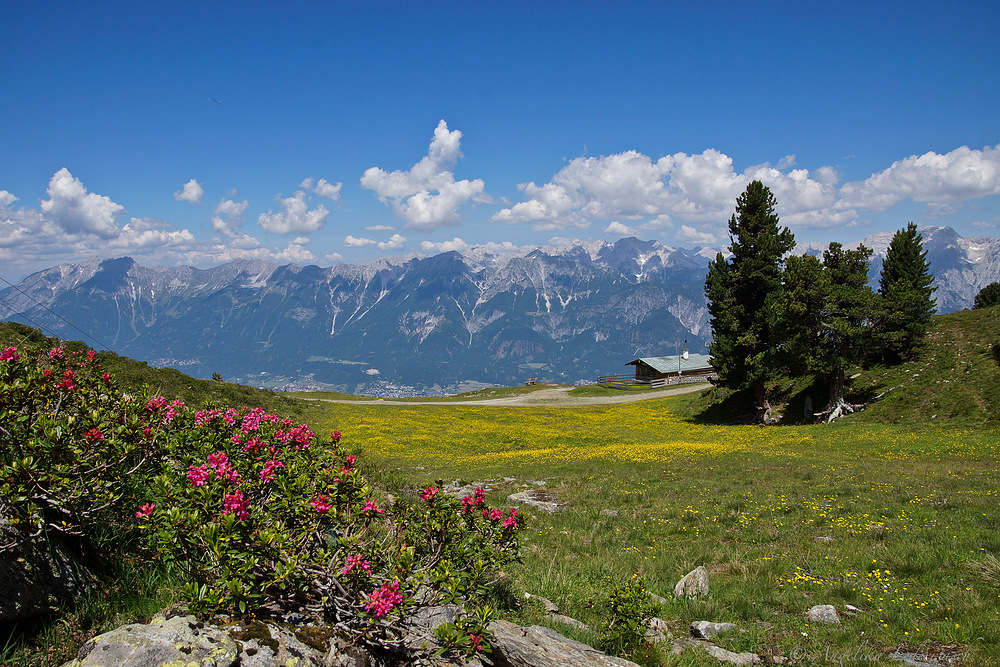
987,297
258,513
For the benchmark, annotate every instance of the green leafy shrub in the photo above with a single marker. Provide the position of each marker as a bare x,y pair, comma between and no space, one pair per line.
628,611
75,453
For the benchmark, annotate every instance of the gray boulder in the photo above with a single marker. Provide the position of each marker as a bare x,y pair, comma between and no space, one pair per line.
181,640
537,646
717,652
537,498
694,584
708,629
823,613
658,630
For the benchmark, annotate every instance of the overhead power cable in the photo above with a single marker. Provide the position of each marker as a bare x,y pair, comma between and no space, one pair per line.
39,303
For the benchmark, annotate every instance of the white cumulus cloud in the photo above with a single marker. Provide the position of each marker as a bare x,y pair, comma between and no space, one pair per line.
295,252
150,234
191,192
427,196
295,216
687,234
323,188
228,217
351,242
618,229
959,175
76,211
456,244
395,242
699,189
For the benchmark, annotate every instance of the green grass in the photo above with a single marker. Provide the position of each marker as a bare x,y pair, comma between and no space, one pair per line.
911,510
955,379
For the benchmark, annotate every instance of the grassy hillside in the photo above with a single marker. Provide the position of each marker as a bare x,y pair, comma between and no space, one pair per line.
166,382
955,379
897,520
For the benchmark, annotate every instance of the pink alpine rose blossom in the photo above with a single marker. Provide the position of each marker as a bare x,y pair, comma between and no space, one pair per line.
321,504
355,561
235,503
371,508
384,599
198,475
145,510
267,473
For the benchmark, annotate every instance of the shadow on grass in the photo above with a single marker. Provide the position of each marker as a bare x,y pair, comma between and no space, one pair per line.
996,353
795,400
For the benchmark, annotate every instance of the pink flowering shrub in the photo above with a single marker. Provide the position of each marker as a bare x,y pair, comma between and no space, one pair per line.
257,511
73,456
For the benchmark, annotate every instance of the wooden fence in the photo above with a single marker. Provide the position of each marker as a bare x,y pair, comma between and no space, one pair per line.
626,381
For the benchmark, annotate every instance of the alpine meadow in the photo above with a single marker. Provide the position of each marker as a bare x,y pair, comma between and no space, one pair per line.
831,499
518,334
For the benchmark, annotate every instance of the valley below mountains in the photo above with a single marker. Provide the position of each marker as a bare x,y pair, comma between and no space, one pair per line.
420,325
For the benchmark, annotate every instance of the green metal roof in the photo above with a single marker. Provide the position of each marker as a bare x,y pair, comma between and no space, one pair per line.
671,364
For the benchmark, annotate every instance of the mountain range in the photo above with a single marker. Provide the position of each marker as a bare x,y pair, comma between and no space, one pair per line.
421,325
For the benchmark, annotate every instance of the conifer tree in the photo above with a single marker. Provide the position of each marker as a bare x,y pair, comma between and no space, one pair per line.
826,318
744,294
988,297
846,320
906,291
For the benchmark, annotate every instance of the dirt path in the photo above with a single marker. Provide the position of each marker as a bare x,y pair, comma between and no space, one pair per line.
555,397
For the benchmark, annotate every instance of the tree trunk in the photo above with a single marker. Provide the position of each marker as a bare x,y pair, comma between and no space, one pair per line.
837,406
764,410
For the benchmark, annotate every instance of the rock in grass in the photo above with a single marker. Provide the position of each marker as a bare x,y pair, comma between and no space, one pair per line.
823,613
537,498
181,640
549,606
708,629
723,655
570,621
537,646
658,630
693,585
717,652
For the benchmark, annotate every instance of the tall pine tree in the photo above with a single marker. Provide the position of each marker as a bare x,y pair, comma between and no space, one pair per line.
906,291
826,318
744,295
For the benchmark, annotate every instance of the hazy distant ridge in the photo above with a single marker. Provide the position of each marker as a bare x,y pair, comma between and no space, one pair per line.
565,313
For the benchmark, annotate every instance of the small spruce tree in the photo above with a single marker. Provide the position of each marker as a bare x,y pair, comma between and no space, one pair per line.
906,296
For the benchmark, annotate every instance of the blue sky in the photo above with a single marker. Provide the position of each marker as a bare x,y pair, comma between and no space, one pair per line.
197,133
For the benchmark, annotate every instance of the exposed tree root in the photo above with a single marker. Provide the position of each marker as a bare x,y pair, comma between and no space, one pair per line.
839,409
